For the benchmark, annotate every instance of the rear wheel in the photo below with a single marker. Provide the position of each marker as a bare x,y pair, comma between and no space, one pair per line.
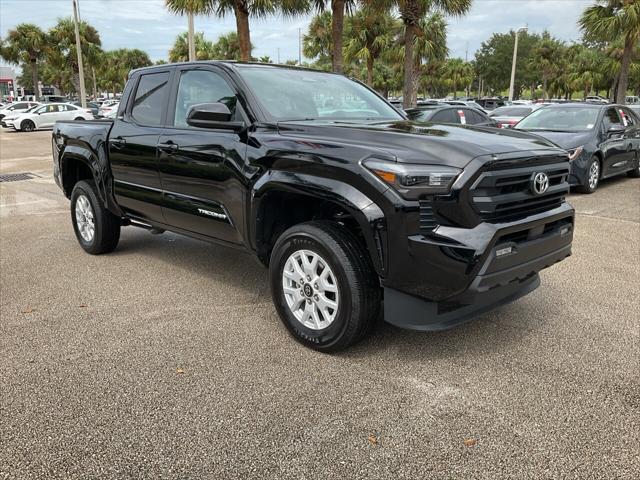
96,228
27,126
635,173
323,285
592,178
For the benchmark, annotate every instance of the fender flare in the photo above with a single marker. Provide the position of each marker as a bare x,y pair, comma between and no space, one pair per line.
367,214
96,161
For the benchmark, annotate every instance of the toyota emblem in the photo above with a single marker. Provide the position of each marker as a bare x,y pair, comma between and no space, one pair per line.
540,183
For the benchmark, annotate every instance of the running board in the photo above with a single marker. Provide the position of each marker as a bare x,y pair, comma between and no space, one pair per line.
153,230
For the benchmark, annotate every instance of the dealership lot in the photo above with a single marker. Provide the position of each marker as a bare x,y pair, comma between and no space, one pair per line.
166,359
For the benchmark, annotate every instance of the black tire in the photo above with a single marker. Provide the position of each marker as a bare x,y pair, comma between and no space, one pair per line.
586,186
357,284
635,173
77,119
106,225
27,126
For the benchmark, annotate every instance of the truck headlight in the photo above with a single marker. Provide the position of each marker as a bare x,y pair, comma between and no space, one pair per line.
413,180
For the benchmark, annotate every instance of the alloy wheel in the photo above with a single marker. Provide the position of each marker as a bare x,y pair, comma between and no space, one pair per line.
84,219
310,289
594,175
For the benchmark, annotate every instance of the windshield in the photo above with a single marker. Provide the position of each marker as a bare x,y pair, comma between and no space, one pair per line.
290,94
564,119
511,112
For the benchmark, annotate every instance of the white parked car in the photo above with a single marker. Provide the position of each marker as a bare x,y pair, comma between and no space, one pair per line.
16,107
107,107
46,115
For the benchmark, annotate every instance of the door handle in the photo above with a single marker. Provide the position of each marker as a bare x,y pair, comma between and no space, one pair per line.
118,142
168,147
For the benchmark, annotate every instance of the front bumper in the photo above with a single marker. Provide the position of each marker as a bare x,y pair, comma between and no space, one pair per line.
459,273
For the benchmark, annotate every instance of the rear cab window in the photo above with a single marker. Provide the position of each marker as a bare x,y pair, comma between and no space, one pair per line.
150,100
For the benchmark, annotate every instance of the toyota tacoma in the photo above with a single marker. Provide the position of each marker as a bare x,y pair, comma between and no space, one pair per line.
356,211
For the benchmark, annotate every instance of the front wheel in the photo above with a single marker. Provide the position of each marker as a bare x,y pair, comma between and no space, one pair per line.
635,173
96,228
323,285
592,178
27,126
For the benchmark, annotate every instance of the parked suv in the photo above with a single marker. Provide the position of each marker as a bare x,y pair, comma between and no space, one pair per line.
353,208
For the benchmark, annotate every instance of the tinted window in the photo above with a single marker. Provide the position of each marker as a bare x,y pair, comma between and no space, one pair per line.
201,86
473,117
511,112
446,116
627,117
19,106
610,118
151,98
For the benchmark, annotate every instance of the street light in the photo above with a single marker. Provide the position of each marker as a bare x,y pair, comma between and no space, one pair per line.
513,63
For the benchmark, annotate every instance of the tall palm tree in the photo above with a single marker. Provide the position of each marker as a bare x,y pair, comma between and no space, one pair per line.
63,42
370,33
609,20
26,43
411,13
190,8
338,8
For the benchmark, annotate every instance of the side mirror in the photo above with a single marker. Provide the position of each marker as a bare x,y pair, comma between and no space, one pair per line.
615,129
212,115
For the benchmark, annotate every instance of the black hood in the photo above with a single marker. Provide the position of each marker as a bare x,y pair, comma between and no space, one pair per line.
415,142
566,140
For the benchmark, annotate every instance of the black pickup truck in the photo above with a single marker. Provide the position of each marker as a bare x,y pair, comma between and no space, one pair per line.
353,208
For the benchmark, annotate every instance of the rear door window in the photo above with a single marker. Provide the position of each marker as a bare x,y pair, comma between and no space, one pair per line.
611,118
150,100
450,115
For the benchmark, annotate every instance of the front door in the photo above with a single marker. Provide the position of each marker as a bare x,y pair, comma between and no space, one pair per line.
202,169
47,115
133,144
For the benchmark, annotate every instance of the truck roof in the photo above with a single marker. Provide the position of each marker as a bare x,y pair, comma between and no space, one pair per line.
228,64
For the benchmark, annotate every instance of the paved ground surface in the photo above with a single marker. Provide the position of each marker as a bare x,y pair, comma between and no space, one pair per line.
166,359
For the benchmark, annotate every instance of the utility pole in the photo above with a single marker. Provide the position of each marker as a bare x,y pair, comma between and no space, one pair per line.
278,55
299,46
83,99
513,63
192,42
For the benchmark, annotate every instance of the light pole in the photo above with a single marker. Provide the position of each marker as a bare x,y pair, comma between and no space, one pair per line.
83,100
513,63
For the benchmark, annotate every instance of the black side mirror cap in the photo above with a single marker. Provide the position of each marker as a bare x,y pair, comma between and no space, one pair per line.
212,115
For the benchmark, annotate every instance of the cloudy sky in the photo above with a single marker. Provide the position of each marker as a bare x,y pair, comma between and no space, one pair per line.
147,25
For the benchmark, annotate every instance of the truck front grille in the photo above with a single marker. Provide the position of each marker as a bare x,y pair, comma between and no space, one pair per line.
508,194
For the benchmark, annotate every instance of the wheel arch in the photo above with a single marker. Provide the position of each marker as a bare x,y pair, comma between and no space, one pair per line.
280,200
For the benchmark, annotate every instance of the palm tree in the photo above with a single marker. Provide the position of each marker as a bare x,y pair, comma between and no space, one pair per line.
458,72
370,33
227,47
190,8
545,56
180,50
26,43
63,43
609,20
318,42
338,8
411,13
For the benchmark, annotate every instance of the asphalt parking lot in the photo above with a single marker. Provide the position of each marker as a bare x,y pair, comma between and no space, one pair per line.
166,359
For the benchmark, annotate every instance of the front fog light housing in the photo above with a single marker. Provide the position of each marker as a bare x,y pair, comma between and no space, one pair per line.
413,180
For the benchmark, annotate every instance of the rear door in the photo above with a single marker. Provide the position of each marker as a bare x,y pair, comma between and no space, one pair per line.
48,117
133,145
202,169
614,145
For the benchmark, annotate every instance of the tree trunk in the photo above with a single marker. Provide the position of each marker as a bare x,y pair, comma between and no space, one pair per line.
337,28
242,26
409,93
370,71
623,80
34,79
